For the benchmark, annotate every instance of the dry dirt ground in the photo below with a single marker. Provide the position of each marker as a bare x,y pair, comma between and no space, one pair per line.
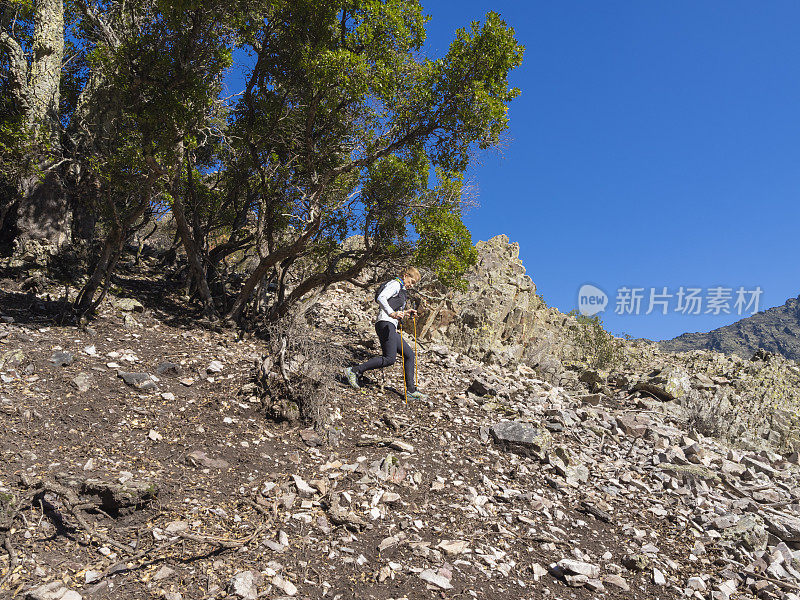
203,518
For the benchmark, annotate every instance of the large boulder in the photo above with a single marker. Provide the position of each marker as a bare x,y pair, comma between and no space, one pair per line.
748,532
783,526
667,383
522,438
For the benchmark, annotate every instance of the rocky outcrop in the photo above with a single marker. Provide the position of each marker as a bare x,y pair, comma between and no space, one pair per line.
498,317
774,330
754,403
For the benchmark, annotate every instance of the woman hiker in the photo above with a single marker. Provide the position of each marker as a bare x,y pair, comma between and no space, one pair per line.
391,299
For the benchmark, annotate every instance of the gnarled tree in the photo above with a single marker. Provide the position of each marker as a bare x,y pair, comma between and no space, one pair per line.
32,44
343,128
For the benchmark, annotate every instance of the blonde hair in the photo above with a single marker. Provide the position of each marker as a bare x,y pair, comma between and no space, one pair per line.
413,273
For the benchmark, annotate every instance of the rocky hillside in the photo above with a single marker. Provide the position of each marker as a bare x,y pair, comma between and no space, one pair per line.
774,330
499,319
143,458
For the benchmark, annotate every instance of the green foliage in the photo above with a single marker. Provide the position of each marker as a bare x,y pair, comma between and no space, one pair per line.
344,128
15,146
597,348
16,141
445,243
343,123
154,94
168,76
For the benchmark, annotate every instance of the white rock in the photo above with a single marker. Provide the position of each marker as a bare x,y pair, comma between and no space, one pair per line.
176,526
92,576
214,367
453,547
390,498
728,588
389,542
54,590
538,571
401,446
617,581
430,576
274,546
244,585
578,567
163,573
696,583
305,490
286,586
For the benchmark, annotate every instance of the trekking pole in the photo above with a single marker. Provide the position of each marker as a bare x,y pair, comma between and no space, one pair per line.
416,361
403,366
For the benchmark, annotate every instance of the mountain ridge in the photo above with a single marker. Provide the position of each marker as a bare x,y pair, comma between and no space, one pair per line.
776,329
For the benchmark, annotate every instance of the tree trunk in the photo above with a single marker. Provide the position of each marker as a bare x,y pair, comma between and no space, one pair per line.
45,72
250,284
196,268
85,302
43,212
319,281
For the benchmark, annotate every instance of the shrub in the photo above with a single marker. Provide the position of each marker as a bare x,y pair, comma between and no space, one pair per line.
596,348
297,374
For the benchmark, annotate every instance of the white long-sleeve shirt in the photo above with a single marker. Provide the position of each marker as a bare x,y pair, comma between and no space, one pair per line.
392,288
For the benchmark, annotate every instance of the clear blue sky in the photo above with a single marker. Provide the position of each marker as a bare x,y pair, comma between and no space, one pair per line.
655,144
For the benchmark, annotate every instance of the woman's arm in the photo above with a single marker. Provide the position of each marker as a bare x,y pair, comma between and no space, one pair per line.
383,298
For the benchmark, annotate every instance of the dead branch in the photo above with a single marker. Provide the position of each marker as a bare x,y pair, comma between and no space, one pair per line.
75,507
12,556
221,543
282,361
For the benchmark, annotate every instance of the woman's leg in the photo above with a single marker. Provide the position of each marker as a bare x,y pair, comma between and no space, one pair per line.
408,363
387,335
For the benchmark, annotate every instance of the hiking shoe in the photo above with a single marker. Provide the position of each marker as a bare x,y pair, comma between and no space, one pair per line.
351,378
417,395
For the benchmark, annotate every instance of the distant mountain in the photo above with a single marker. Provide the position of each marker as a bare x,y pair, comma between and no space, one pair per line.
775,330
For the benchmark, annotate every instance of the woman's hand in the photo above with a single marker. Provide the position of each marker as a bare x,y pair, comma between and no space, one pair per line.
398,314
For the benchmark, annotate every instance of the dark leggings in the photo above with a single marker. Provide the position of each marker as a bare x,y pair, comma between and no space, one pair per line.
390,347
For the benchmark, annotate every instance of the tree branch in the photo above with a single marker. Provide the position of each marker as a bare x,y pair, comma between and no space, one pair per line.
19,66
103,28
